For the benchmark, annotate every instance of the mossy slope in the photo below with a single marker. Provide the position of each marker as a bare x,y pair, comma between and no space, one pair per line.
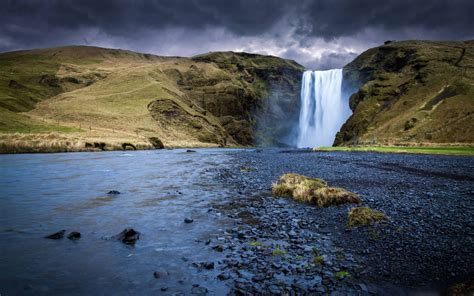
411,92
210,100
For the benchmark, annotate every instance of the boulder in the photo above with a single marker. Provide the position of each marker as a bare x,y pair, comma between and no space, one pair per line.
128,236
56,235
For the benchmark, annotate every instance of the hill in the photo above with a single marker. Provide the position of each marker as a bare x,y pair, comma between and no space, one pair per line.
67,98
411,92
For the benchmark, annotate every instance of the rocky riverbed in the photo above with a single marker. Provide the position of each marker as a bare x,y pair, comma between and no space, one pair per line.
280,246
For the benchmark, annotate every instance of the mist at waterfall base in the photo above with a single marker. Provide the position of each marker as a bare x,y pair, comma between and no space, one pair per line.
324,108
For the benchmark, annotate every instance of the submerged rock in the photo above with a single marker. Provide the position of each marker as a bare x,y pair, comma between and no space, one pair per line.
190,151
57,235
74,235
188,220
128,236
204,265
223,276
113,192
160,274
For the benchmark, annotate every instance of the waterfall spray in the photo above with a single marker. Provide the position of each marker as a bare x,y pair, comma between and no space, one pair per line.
323,108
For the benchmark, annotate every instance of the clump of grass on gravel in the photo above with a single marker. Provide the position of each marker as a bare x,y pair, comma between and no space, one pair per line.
364,216
342,274
278,252
318,260
312,190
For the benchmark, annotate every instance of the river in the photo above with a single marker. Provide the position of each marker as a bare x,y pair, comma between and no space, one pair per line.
44,193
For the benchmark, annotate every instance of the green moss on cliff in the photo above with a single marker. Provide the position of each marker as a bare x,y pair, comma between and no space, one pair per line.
411,92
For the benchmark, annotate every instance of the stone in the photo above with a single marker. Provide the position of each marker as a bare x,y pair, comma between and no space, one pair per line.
74,235
218,248
160,274
188,220
56,235
113,192
128,236
223,276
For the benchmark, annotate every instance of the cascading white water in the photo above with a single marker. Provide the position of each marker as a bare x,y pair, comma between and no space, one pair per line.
323,108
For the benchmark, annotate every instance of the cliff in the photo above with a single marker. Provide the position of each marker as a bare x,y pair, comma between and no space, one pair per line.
411,92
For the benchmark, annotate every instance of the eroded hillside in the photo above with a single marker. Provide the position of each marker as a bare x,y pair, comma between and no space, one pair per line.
66,98
411,92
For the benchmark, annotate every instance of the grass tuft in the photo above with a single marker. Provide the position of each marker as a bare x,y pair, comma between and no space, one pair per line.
278,252
328,196
312,190
318,260
342,274
364,216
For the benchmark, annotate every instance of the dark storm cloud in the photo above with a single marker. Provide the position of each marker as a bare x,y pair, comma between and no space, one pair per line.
451,19
324,33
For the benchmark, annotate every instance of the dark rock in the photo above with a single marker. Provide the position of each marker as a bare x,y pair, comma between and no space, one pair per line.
156,142
49,80
125,145
223,276
164,289
89,145
100,145
14,84
189,151
113,192
204,265
160,274
128,236
74,235
208,265
57,235
188,220
218,248
197,290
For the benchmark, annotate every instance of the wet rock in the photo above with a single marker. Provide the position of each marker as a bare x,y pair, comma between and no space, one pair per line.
208,265
56,235
223,276
74,235
198,290
128,236
160,274
113,192
204,265
190,151
188,220
164,289
218,248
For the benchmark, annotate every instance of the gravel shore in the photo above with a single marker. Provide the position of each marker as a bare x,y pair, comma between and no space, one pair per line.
281,246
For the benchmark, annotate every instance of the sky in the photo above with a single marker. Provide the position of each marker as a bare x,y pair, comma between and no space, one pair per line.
319,34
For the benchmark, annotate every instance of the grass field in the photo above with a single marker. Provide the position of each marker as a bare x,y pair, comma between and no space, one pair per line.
464,151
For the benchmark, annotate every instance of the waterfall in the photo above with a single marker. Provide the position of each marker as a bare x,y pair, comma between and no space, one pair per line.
323,108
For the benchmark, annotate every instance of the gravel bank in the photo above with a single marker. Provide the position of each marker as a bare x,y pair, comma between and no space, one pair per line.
279,245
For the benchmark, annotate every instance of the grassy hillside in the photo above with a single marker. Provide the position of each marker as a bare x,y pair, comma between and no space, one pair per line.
411,92
63,98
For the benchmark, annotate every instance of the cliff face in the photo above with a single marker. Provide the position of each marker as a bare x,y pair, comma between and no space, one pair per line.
96,94
411,92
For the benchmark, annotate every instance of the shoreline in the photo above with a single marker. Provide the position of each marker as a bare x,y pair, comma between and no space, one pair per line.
454,150
467,151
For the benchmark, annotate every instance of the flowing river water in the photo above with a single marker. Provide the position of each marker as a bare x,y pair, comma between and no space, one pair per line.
44,193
